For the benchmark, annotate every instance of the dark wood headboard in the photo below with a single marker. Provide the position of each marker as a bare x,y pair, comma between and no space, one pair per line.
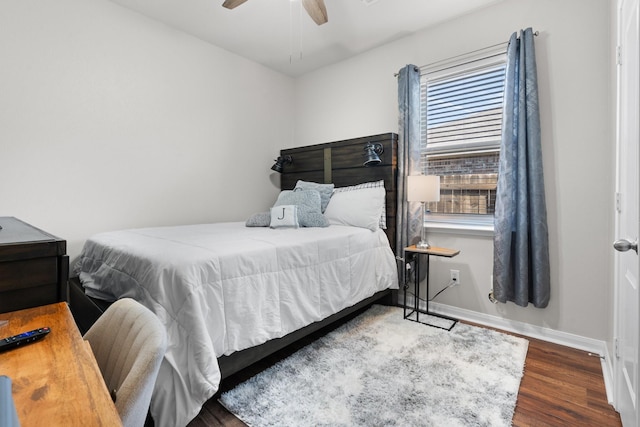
341,163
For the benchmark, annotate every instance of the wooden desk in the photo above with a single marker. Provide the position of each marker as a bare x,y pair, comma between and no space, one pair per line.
56,380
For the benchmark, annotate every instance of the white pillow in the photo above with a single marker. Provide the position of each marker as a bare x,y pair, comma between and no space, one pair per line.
380,183
359,208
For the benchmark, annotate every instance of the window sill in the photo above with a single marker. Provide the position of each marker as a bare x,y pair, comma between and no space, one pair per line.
459,228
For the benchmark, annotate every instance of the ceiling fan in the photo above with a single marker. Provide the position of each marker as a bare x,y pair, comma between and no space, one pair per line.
315,8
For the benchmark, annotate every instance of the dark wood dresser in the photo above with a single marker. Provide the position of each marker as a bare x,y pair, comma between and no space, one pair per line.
34,266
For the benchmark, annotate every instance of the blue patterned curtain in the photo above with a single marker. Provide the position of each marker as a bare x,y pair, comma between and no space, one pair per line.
521,243
408,217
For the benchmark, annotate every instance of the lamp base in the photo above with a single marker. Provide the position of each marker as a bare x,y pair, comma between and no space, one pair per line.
423,244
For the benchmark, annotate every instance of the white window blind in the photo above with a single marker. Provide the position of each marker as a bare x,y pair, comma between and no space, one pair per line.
461,125
464,111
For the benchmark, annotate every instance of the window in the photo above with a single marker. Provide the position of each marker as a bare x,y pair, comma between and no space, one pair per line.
461,126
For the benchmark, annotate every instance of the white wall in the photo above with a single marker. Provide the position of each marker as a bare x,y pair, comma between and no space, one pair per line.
110,120
358,97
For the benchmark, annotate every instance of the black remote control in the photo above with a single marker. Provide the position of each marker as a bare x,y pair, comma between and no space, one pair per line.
23,338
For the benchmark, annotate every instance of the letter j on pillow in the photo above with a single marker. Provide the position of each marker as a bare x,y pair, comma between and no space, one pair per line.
284,216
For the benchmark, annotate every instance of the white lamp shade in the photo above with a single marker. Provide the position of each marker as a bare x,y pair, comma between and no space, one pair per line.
423,188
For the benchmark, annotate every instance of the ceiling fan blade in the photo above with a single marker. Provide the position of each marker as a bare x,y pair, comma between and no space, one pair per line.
316,10
230,4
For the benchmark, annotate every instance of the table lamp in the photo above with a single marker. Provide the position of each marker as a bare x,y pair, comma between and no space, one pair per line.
423,188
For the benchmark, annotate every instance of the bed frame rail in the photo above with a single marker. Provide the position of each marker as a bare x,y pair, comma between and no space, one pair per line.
239,360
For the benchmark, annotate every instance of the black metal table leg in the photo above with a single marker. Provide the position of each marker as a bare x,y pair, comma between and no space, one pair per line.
416,300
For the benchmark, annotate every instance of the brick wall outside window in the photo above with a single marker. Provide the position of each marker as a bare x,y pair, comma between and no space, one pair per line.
467,183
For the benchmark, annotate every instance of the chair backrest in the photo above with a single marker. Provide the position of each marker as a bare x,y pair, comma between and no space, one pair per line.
129,342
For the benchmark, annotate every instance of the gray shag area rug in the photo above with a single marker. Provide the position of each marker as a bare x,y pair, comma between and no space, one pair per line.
382,370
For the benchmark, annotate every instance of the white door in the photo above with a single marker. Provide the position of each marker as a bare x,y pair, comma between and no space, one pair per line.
627,300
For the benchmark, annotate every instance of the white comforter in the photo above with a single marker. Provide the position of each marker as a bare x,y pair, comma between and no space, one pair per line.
224,287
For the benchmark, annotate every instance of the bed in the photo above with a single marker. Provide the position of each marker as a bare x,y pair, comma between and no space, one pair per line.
229,294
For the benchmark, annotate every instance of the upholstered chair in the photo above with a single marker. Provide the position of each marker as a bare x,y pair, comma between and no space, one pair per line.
129,343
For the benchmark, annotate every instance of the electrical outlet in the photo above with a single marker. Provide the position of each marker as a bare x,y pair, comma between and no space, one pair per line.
455,276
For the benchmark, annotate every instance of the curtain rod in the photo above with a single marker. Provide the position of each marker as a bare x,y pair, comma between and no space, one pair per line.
535,33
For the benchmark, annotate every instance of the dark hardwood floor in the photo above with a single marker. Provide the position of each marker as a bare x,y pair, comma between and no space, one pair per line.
561,386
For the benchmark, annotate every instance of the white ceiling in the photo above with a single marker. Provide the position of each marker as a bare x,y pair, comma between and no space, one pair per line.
280,35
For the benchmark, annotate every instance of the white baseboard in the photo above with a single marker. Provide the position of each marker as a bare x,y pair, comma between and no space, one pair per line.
596,347
607,373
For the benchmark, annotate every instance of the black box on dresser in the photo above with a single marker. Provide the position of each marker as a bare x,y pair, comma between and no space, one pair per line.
34,266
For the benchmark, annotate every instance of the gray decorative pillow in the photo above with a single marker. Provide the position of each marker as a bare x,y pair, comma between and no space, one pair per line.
325,190
261,219
308,202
